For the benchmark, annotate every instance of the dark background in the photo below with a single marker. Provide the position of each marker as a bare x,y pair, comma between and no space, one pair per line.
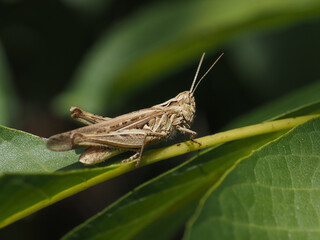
43,43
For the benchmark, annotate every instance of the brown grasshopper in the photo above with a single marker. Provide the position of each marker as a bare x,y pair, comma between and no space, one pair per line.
131,131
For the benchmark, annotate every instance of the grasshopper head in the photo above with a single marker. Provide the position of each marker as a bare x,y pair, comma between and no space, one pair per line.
187,105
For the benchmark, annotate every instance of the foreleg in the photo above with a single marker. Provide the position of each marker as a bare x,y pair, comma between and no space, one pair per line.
192,134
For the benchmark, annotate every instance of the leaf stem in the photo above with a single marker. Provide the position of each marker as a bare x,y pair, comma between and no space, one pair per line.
223,137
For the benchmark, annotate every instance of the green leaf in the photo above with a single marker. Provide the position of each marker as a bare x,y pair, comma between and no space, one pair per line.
25,153
272,194
138,50
167,201
29,177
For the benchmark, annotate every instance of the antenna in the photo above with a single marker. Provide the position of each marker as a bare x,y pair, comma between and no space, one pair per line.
194,89
197,72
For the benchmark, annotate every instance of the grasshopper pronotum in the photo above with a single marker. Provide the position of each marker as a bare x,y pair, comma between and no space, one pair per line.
131,131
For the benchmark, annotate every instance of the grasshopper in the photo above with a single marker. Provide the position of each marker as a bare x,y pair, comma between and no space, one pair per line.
132,131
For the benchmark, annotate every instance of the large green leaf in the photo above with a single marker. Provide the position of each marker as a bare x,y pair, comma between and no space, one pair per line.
165,36
169,200
273,194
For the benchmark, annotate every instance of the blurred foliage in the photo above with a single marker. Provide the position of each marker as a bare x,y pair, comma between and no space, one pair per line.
87,8
7,96
129,56
111,57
